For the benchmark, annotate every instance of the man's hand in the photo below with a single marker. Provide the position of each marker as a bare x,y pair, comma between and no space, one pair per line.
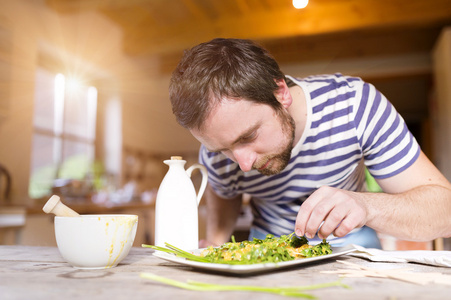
341,211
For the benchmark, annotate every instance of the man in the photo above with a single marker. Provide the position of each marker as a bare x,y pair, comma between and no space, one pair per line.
299,148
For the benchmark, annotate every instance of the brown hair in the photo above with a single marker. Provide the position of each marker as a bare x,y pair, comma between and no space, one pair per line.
211,71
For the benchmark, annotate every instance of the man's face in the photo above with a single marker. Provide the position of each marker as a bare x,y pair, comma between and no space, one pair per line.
253,135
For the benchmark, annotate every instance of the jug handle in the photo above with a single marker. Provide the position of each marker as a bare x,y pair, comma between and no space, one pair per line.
203,184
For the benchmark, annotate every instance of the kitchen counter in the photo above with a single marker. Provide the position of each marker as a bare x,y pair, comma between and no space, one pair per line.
89,207
41,273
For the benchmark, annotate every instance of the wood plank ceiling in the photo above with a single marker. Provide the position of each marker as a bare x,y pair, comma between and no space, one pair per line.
326,29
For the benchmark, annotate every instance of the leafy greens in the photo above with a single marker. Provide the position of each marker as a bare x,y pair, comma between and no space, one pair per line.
268,250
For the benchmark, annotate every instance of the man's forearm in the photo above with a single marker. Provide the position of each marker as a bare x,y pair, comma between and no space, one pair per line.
422,213
221,217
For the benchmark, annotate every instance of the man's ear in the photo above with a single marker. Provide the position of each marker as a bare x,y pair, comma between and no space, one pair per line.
283,94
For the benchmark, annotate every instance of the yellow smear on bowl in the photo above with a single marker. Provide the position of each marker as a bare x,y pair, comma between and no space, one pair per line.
127,224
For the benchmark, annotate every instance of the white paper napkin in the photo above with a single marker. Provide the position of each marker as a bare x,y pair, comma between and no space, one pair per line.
434,258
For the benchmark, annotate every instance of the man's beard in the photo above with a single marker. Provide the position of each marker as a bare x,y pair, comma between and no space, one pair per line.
281,160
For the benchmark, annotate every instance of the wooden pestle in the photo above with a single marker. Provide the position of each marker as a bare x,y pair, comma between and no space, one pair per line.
55,206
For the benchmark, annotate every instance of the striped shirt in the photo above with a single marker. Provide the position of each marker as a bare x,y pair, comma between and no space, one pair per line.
349,125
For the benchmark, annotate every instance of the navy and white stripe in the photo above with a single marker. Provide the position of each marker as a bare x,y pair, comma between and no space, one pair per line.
349,125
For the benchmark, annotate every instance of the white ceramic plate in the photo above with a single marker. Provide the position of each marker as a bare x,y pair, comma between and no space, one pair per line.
253,268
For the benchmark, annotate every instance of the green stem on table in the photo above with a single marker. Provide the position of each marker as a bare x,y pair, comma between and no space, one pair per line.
291,288
201,286
178,252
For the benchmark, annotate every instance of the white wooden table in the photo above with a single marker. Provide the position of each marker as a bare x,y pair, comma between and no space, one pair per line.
41,273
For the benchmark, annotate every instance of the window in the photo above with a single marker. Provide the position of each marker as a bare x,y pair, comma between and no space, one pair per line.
64,131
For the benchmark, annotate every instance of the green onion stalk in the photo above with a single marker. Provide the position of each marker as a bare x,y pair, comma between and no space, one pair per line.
293,291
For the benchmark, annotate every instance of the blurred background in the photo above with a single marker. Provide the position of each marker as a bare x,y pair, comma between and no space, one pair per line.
84,106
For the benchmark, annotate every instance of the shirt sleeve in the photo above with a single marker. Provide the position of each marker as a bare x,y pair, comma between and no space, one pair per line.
388,146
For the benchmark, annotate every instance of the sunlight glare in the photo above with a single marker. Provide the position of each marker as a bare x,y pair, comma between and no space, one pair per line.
58,104
74,85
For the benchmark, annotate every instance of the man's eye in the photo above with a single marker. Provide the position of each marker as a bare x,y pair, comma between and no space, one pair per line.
249,138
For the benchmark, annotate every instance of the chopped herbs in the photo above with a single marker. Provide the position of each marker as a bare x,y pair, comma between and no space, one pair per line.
271,249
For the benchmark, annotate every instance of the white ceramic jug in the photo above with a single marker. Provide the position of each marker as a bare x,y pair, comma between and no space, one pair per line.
176,209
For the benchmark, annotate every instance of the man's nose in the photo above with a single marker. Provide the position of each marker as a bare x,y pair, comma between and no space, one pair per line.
245,158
